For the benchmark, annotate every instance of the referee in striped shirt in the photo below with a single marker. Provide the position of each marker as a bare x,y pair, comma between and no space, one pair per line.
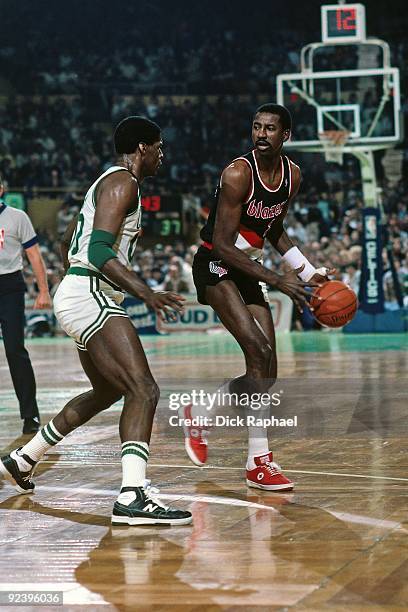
16,234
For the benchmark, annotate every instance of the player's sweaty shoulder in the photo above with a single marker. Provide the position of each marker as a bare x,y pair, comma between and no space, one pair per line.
121,177
236,174
119,184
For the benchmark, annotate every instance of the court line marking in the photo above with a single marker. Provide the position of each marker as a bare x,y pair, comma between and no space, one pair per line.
218,467
228,501
211,499
361,519
369,476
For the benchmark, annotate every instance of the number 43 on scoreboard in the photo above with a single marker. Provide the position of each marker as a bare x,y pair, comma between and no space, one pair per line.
343,23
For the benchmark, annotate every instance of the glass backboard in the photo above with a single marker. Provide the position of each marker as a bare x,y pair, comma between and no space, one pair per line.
365,103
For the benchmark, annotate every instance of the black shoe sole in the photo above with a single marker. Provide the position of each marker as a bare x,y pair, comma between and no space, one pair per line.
140,520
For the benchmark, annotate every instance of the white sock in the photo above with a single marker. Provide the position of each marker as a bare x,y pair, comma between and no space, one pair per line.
258,445
134,461
47,437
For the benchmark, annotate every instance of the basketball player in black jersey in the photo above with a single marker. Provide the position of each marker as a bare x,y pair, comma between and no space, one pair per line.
251,202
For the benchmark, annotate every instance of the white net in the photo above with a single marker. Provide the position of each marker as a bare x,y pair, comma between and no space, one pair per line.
333,142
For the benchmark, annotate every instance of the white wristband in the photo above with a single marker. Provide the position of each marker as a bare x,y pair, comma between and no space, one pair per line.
296,259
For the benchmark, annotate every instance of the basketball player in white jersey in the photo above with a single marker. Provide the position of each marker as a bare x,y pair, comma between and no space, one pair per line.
87,305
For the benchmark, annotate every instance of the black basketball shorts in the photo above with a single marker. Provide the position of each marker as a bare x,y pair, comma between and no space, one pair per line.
209,271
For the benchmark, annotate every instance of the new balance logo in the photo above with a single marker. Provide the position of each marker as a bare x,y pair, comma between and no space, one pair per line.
150,508
216,269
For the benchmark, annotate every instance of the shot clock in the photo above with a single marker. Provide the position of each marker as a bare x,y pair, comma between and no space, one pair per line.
343,23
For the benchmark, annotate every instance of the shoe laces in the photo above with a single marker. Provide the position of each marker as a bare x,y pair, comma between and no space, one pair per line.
151,494
273,468
26,476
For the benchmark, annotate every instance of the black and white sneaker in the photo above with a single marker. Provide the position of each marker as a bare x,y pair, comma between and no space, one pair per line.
10,471
147,509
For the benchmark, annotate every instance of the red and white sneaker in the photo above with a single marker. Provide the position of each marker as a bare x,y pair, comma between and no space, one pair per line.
195,442
267,476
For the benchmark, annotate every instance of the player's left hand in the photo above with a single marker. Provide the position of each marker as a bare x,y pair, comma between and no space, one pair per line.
43,301
322,275
166,304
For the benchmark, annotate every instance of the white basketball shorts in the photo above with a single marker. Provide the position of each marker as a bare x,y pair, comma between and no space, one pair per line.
83,304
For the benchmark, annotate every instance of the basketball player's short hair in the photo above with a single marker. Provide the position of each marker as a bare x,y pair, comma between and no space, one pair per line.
277,109
133,130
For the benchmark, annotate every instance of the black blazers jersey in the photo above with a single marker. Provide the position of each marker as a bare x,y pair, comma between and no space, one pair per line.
261,209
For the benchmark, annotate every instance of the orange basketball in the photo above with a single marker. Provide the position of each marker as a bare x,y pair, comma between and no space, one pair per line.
338,305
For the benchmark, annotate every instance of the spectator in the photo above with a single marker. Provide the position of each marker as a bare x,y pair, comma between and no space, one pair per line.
174,280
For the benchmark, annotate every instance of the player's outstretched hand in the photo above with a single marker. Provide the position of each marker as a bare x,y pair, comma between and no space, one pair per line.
166,304
290,284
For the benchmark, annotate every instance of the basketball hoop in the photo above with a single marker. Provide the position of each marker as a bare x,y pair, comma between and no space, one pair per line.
333,142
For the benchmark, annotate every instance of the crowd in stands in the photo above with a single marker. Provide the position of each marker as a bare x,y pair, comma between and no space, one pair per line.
212,47
147,46
102,64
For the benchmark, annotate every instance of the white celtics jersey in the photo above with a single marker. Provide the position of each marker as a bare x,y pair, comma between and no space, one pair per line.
126,239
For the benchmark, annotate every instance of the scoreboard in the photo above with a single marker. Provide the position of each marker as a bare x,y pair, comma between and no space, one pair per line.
162,217
343,23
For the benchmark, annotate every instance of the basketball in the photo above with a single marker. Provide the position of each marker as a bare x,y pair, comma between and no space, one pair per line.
338,305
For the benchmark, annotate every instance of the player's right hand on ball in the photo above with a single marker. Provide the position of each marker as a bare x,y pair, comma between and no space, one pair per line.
290,284
165,304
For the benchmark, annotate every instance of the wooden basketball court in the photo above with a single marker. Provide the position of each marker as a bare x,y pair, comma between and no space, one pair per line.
339,541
